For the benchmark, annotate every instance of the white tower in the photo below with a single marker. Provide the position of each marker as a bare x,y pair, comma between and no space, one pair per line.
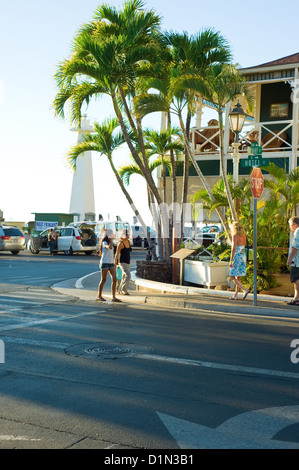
82,196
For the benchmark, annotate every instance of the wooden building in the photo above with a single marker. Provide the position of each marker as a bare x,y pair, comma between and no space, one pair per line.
273,125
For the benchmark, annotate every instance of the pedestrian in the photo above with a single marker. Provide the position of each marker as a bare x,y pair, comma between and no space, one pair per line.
123,257
293,259
51,240
106,252
119,275
238,259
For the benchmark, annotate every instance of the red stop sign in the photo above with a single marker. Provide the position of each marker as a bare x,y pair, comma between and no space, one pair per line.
256,182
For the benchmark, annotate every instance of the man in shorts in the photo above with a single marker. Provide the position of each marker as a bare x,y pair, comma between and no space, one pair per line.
293,259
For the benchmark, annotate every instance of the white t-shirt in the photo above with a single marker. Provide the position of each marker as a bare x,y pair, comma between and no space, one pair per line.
107,254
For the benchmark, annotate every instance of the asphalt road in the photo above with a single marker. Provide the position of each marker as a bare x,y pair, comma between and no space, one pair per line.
127,377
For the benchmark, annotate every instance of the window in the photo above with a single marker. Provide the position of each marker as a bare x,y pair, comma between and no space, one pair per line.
66,232
12,232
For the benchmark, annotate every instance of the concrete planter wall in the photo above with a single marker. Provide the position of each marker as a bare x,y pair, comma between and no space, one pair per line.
206,273
154,270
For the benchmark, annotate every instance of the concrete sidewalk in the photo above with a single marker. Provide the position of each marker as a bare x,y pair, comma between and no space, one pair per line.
170,296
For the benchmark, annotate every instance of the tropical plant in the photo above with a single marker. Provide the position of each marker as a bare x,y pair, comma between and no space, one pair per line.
194,57
221,84
110,56
272,235
105,140
283,187
240,192
110,53
125,172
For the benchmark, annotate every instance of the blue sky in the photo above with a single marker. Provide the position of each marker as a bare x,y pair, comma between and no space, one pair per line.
35,36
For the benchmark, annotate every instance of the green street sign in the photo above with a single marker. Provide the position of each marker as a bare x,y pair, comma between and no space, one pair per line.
255,149
254,160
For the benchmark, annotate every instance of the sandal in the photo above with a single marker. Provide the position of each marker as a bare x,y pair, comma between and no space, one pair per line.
116,300
245,295
125,293
293,302
101,299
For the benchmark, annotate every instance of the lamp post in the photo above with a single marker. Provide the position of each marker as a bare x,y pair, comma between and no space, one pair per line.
237,118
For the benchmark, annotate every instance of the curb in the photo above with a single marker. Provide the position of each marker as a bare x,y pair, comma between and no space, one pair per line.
186,290
185,297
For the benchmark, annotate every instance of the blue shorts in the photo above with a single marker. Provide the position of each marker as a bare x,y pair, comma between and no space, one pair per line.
107,266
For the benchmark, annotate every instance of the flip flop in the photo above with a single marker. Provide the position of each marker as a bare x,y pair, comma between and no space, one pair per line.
125,293
245,295
116,300
101,299
293,302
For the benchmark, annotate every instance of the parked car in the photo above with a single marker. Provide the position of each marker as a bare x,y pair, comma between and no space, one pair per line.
139,235
205,235
70,239
117,228
11,239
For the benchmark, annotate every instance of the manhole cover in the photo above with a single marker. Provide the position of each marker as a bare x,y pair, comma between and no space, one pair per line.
106,350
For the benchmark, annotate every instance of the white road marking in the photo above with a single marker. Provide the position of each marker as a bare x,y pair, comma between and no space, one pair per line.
215,365
46,320
32,342
7,437
79,282
252,430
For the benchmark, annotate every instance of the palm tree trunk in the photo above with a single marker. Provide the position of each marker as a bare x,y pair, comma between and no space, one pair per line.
173,166
132,205
199,172
185,182
145,172
157,221
164,218
127,110
222,169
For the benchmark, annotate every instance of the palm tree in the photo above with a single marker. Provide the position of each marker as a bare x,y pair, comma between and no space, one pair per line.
222,84
105,140
196,54
240,192
126,172
161,143
109,55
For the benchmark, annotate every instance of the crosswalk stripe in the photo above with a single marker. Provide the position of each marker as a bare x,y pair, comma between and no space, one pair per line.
17,326
32,297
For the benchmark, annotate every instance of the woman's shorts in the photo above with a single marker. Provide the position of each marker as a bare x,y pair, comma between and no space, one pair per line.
294,273
107,266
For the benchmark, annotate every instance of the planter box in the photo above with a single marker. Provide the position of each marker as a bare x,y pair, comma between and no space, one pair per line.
206,273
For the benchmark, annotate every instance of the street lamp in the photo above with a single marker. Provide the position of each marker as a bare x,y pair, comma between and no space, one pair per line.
237,118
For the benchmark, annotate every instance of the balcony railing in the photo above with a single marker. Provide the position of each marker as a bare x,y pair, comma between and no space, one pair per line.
271,136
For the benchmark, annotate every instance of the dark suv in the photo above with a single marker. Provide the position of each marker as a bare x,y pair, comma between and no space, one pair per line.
11,239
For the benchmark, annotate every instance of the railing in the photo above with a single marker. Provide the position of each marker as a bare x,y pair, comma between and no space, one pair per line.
273,139
205,140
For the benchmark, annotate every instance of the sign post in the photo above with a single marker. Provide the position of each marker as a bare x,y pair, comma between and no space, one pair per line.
182,254
257,186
